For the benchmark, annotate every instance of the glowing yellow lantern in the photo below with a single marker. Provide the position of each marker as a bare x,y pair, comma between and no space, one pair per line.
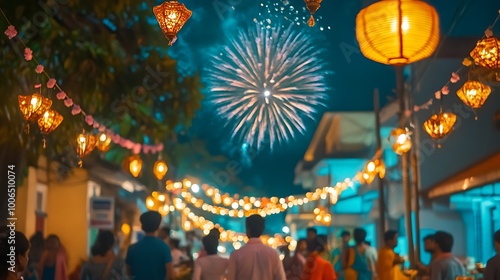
397,32
135,165
150,203
171,17
312,6
33,107
85,144
402,142
49,122
439,125
125,229
103,142
486,53
160,169
474,94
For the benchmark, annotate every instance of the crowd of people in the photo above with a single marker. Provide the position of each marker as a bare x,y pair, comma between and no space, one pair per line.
157,256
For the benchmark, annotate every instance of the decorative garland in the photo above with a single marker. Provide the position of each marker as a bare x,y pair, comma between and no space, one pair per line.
135,147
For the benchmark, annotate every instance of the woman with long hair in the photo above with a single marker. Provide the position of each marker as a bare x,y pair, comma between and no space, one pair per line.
13,258
359,262
317,268
54,260
103,264
36,251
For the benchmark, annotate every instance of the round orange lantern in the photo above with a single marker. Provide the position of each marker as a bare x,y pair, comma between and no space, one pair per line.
397,32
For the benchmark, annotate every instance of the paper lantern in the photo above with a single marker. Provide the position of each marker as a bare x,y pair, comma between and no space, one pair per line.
486,53
134,165
171,17
439,125
49,121
85,144
474,94
160,169
312,6
33,106
103,142
397,32
401,141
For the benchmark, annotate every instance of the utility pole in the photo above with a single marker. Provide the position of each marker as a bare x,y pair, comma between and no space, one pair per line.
380,182
400,88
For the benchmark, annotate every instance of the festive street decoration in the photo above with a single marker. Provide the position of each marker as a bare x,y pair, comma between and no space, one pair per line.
487,51
171,17
397,32
85,144
33,106
474,94
312,6
372,169
160,169
439,125
103,142
49,122
322,216
133,164
401,141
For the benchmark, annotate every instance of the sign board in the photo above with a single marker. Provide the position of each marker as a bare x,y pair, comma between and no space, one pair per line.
102,212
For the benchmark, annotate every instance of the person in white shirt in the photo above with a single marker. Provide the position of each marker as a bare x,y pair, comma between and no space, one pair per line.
255,261
212,266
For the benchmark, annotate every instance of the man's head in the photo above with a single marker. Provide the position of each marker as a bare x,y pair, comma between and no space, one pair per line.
346,236
150,221
391,238
429,244
444,242
311,233
215,232
175,243
210,243
496,238
255,226
359,235
164,233
301,246
318,244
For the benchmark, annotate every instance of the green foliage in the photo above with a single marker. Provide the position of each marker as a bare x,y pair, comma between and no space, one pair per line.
118,72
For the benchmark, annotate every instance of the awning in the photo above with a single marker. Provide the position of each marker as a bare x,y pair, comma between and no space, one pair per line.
485,172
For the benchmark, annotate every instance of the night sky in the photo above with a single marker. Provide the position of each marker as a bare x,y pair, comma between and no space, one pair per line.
352,85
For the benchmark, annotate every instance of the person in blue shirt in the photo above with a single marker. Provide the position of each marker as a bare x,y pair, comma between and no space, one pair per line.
339,254
150,258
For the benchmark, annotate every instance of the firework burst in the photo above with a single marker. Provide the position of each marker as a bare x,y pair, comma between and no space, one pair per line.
266,82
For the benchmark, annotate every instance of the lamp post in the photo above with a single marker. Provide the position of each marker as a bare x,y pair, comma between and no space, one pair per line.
399,32
380,182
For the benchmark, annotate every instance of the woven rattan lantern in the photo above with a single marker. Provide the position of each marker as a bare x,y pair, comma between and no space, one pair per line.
440,125
486,53
171,17
397,32
312,6
33,106
474,94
